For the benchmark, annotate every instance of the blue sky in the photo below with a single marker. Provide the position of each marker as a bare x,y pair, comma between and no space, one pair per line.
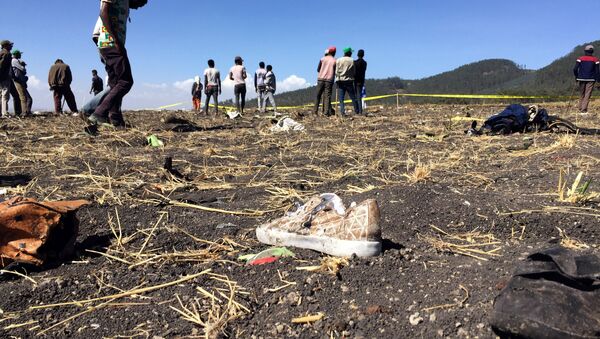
169,41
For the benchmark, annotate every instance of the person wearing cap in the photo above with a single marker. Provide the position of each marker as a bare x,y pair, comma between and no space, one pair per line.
5,76
197,93
345,76
325,78
59,80
97,83
586,73
238,75
212,86
19,75
110,35
259,85
360,70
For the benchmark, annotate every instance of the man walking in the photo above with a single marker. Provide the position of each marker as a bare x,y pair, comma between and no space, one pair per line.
259,85
5,77
20,78
212,86
360,71
270,88
587,73
345,75
112,25
97,83
238,75
326,71
59,80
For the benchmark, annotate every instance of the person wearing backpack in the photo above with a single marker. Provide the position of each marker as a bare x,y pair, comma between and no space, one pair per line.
109,34
586,73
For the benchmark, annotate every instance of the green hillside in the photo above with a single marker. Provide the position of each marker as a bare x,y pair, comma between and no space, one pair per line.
493,76
470,79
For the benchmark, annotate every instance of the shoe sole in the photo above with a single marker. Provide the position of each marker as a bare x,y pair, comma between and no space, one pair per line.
328,245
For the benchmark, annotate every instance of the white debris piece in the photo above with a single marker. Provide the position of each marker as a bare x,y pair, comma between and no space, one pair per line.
287,124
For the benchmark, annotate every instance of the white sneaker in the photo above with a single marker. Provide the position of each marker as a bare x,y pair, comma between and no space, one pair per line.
326,227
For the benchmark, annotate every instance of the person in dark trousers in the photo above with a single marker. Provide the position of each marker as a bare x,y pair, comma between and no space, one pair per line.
20,78
360,71
238,75
5,76
59,80
259,85
270,88
586,73
345,76
212,86
326,71
97,83
197,94
110,34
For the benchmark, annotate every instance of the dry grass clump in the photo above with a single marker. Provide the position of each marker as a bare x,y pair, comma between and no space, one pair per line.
215,310
420,173
578,193
474,244
571,243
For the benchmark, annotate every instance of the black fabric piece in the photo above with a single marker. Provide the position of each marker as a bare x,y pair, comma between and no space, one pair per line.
555,293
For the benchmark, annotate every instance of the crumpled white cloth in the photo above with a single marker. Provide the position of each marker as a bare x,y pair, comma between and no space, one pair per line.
287,124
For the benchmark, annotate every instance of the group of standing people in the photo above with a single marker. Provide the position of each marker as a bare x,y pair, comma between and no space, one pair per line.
348,74
13,81
265,85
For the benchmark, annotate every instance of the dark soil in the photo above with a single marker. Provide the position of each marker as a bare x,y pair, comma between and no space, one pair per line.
500,186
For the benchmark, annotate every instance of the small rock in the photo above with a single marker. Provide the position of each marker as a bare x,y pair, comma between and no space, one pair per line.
344,288
415,319
279,328
440,333
432,318
462,332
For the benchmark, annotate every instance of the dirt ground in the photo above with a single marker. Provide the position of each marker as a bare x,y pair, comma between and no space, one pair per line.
157,253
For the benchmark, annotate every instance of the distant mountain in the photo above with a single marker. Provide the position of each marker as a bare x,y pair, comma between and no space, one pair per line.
470,79
493,76
554,79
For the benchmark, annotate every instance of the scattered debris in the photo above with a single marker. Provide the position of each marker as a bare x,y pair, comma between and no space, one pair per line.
154,141
309,318
37,232
415,319
267,256
287,124
320,225
553,294
226,225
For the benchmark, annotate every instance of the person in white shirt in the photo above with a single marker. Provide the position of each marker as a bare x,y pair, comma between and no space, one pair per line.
259,85
212,86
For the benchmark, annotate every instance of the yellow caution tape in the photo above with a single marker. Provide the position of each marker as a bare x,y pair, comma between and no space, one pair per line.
169,106
417,95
